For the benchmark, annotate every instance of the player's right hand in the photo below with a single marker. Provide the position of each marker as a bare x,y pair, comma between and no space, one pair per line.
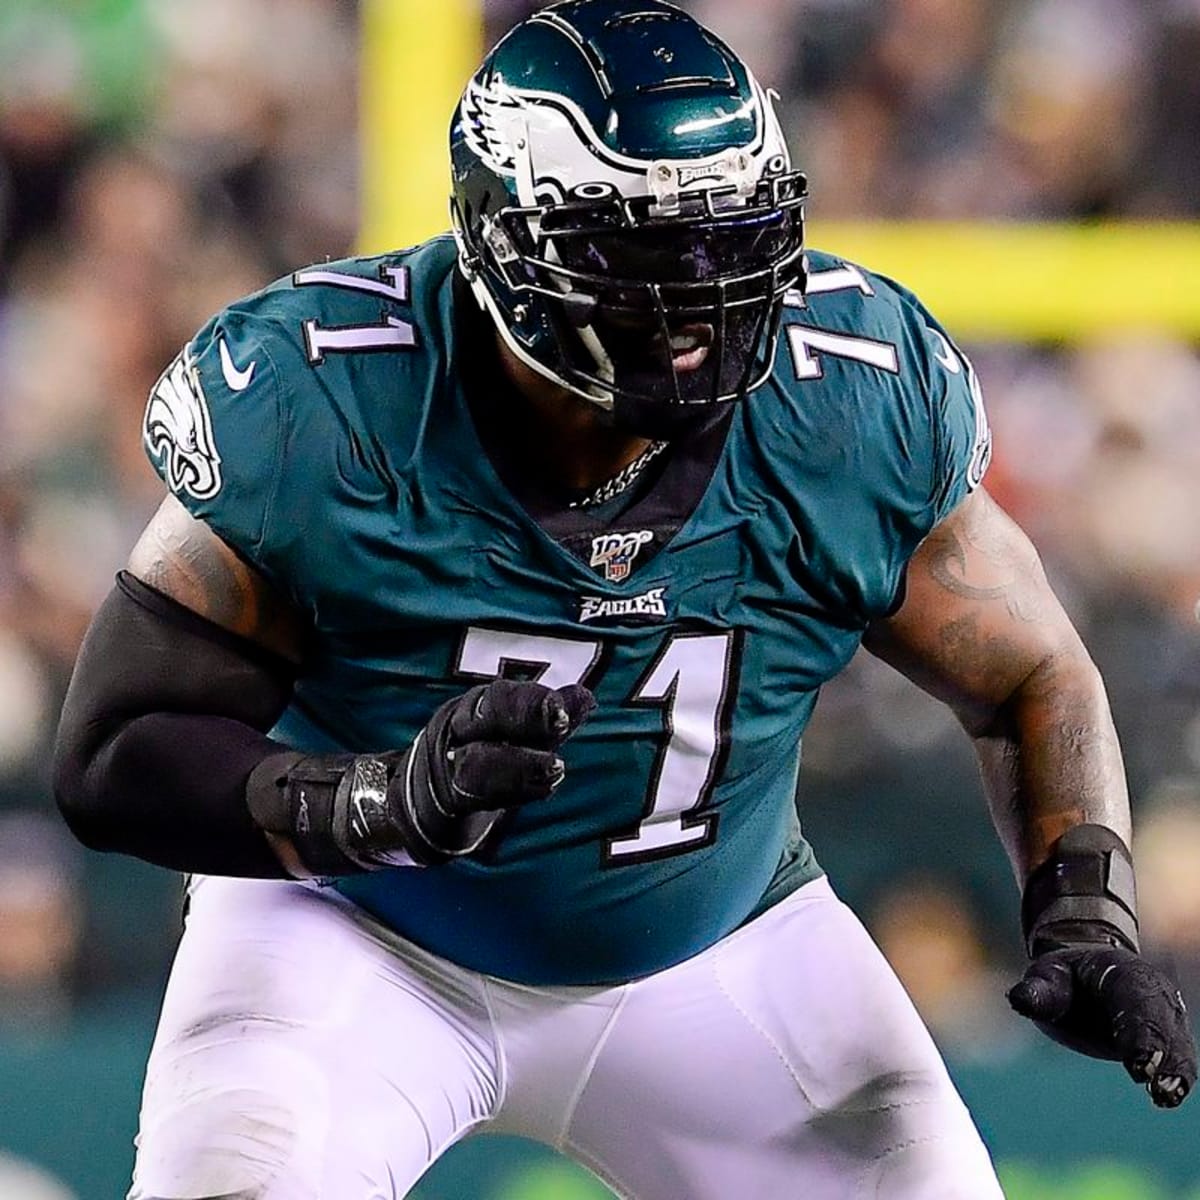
491,749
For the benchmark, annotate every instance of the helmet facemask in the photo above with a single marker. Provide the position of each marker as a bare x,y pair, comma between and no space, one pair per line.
652,312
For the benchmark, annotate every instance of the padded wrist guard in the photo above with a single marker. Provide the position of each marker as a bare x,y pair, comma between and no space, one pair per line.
1083,893
489,750
334,808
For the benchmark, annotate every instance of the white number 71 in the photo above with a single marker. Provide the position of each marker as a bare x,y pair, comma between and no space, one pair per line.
690,679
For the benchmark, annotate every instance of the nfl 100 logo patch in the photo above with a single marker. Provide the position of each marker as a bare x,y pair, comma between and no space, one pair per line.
615,552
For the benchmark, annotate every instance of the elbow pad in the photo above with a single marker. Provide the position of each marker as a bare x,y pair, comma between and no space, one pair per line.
164,719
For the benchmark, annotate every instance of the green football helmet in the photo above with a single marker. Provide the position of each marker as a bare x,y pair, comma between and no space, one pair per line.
625,208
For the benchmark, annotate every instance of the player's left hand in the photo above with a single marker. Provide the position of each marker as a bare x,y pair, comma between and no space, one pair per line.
1109,1002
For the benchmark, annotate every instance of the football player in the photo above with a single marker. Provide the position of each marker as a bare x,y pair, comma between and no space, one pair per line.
466,665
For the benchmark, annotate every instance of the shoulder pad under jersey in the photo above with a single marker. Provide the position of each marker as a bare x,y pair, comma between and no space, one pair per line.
311,385
892,375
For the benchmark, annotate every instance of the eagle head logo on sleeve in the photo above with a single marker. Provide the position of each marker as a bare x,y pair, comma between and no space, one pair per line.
178,432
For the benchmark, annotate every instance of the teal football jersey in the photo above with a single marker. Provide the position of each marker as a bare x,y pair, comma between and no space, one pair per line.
322,428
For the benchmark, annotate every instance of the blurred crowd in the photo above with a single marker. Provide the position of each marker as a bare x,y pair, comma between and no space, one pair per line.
160,157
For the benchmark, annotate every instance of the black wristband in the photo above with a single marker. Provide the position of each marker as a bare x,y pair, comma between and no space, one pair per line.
1084,891
295,795
336,810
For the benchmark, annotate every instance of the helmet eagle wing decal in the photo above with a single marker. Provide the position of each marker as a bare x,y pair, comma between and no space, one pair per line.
491,114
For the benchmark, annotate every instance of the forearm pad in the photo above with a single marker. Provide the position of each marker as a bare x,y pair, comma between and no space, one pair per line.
1083,892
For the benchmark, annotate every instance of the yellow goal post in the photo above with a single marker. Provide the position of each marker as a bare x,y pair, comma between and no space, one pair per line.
985,282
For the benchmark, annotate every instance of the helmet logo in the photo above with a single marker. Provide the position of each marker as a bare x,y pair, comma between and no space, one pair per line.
598,190
615,552
667,179
491,122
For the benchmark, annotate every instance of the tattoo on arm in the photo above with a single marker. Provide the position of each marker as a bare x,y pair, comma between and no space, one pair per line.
948,567
182,558
980,628
1052,760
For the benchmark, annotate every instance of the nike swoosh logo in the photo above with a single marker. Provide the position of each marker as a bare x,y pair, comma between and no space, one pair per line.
238,381
948,358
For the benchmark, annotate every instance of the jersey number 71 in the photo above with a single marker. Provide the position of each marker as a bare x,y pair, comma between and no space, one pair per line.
692,679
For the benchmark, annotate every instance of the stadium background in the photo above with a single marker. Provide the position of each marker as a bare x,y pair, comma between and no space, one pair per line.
1030,167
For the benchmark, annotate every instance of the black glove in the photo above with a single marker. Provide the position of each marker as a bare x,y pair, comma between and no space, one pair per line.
1087,986
1109,1002
491,749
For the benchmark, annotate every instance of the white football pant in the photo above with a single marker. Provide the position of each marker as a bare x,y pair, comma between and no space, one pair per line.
305,1052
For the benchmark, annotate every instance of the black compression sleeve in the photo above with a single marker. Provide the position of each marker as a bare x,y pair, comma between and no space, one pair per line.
164,720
